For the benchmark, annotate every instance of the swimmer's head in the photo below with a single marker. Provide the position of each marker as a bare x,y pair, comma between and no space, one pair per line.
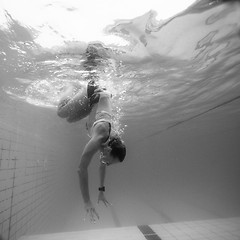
118,148
114,152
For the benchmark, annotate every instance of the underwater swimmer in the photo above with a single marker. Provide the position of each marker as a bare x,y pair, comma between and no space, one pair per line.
94,102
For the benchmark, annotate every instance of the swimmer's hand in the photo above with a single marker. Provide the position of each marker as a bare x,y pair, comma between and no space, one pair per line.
96,96
102,92
91,212
102,198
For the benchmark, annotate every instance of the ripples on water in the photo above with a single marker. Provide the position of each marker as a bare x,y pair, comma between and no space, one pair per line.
177,69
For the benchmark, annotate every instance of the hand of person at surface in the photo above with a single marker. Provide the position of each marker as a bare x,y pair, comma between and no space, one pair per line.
91,212
102,198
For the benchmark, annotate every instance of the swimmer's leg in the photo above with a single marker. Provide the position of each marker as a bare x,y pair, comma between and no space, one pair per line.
63,106
92,86
74,107
93,90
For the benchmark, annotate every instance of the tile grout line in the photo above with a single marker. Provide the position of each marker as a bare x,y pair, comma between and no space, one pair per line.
148,233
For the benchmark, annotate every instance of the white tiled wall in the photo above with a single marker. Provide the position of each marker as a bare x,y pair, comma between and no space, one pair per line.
27,166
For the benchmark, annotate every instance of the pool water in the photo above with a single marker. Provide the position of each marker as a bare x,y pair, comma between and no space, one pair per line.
176,101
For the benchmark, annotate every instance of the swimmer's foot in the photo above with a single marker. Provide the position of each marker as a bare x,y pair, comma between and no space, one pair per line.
92,86
91,91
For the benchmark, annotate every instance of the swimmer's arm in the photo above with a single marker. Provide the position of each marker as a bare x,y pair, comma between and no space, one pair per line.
90,149
102,174
99,135
101,196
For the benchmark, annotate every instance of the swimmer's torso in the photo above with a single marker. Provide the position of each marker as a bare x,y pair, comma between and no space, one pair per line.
101,112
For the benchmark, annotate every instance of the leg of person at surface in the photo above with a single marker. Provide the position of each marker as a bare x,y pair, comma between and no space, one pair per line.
104,139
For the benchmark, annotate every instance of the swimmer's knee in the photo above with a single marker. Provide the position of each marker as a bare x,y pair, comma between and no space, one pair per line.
62,114
62,110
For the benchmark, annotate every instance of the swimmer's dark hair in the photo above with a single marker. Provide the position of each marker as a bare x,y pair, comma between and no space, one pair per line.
118,148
